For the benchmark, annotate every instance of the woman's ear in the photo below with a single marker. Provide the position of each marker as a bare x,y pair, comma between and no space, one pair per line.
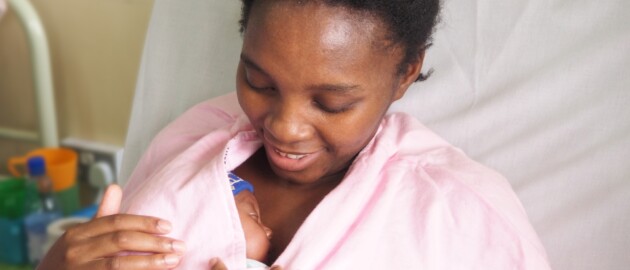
411,74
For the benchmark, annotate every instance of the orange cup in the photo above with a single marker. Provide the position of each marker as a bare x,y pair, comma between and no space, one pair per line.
61,166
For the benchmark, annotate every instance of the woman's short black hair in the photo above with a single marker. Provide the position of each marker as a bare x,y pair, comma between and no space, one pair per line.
410,22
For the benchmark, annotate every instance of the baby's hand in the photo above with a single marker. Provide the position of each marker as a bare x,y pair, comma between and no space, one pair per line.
217,264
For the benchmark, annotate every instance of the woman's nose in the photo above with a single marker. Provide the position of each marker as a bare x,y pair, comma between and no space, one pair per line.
288,123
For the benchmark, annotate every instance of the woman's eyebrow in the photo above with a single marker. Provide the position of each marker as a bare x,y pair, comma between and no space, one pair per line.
329,87
333,87
251,64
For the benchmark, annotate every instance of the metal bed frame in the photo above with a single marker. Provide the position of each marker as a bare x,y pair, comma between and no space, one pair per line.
42,77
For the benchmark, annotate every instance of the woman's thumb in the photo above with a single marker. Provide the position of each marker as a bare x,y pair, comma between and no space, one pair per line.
110,204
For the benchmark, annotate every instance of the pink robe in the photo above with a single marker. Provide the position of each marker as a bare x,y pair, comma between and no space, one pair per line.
409,201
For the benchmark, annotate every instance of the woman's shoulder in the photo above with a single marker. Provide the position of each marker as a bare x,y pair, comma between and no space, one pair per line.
466,188
198,121
207,115
404,140
477,202
425,156
212,122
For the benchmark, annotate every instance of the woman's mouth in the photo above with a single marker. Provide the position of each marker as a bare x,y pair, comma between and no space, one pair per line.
291,156
290,161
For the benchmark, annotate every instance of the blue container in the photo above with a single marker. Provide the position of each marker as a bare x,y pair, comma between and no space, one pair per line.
13,245
13,193
35,225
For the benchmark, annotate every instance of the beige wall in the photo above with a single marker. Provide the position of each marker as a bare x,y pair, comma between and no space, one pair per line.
96,47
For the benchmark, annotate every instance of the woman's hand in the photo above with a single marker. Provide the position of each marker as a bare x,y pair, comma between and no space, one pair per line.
98,244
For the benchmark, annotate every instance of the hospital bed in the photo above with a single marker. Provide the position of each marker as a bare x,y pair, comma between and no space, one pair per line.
537,89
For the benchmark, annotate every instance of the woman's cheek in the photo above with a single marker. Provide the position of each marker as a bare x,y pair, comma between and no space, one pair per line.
254,106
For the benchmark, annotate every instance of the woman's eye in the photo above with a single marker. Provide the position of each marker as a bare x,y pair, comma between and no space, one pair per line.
254,216
332,109
258,88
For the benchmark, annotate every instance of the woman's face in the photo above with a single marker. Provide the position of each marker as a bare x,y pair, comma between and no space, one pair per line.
315,82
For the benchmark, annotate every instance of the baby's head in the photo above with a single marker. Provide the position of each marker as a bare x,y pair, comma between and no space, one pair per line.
257,235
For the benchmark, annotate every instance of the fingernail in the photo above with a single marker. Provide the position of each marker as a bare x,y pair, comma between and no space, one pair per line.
179,246
164,226
171,259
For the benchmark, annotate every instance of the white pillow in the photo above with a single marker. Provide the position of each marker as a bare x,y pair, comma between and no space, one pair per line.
540,90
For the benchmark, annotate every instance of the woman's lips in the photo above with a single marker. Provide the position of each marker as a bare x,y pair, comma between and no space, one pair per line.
291,156
291,162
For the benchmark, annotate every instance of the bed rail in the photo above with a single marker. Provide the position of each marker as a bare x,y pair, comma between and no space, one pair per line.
42,79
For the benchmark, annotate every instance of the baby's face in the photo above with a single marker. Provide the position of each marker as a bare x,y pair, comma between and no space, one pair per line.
257,235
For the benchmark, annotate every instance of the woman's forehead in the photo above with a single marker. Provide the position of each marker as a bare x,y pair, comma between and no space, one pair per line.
330,26
315,35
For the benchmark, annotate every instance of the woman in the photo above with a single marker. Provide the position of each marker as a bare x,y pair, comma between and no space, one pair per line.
341,184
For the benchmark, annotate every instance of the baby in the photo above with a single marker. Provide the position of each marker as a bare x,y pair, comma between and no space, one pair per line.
257,235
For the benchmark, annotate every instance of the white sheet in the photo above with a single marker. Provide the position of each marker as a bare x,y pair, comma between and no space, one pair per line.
537,89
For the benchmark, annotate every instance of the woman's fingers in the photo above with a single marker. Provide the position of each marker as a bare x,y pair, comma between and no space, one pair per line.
115,241
111,244
110,204
146,262
119,222
110,235
115,250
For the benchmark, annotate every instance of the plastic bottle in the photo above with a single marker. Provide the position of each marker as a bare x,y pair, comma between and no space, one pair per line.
46,210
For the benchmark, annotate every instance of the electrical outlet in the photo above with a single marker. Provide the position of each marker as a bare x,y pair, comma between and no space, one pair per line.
98,162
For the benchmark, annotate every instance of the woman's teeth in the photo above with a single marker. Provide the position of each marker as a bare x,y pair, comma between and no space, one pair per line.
291,156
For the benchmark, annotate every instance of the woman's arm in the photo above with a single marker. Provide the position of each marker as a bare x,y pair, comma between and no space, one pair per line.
102,242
